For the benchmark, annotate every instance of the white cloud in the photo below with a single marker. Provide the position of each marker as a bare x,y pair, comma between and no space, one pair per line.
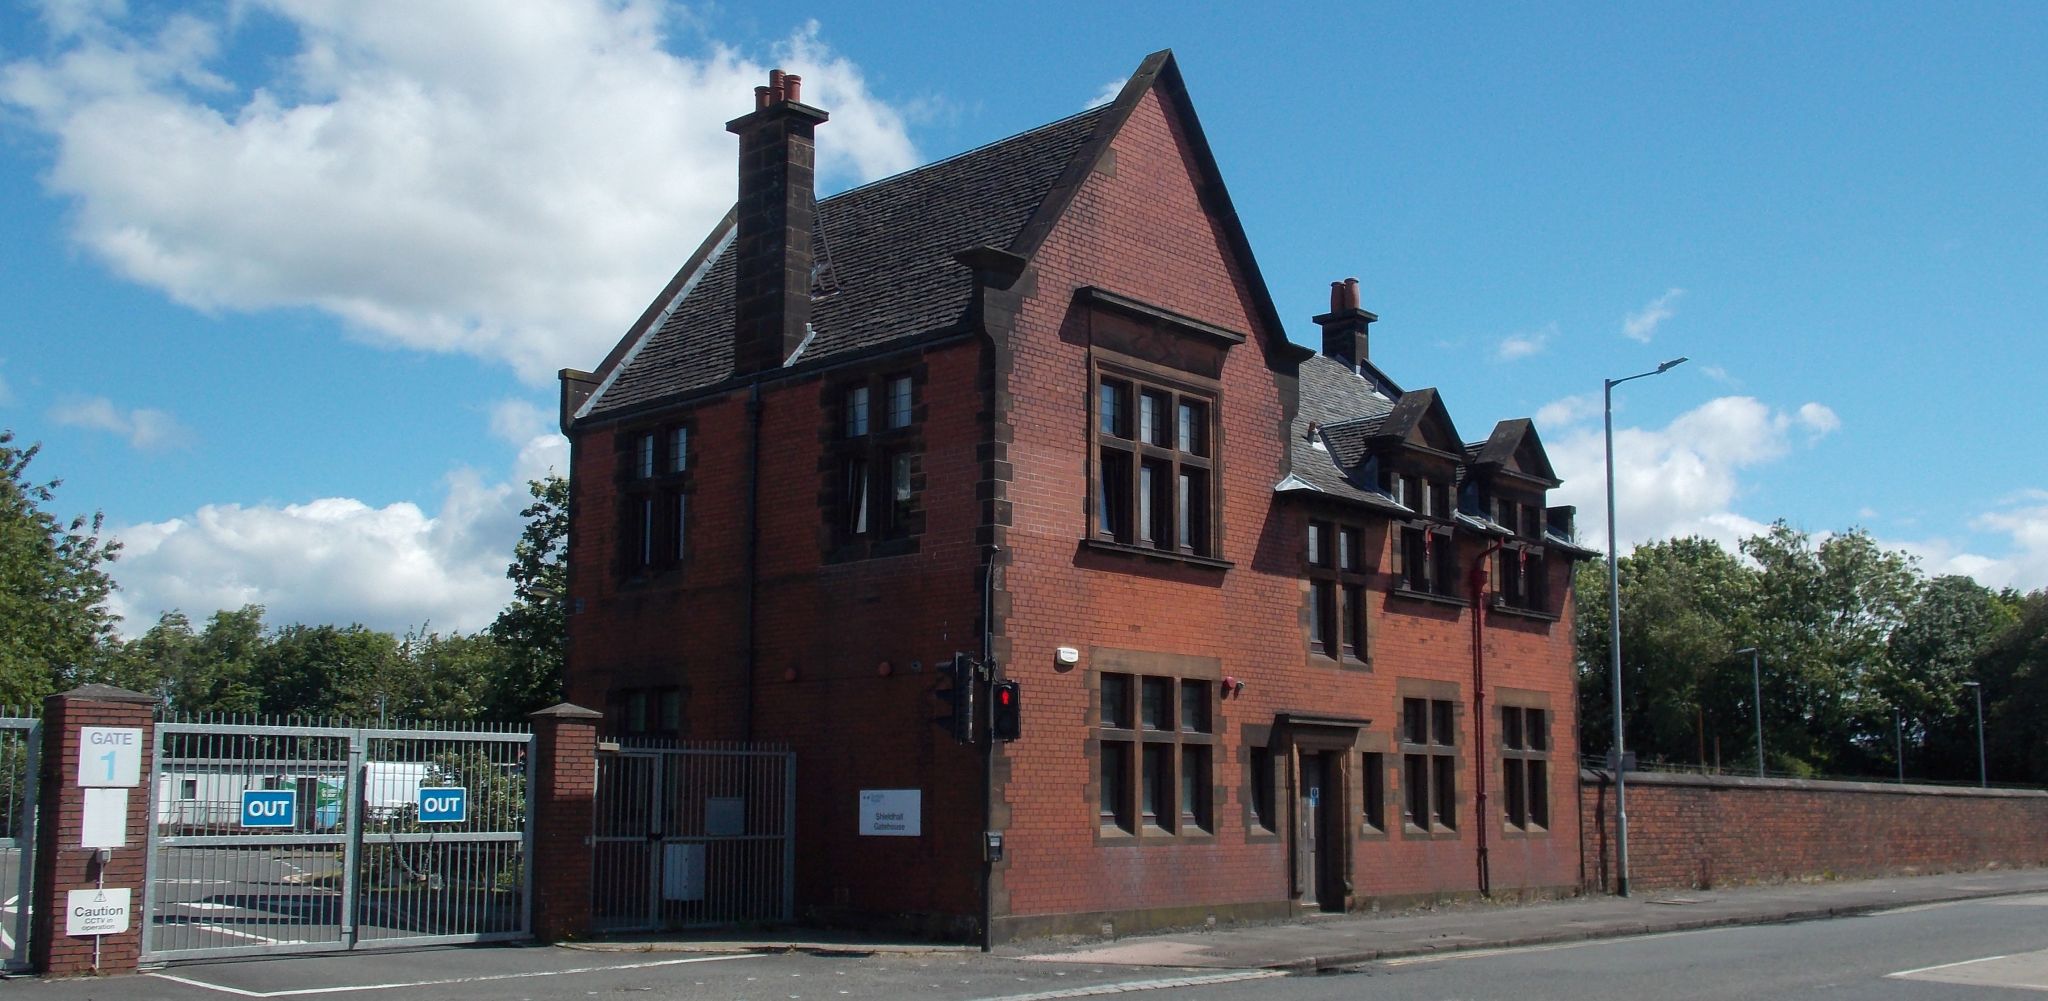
1818,419
512,181
1642,324
1515,347
1107,94
1683,479
330,560
2022,521
542,449
1557,414
146,429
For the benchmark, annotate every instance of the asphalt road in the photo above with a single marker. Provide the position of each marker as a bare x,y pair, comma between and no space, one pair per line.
1979,949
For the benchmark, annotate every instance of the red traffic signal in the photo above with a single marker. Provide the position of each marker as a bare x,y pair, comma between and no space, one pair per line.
1005,711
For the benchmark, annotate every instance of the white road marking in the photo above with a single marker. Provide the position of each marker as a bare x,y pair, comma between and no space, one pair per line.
218,930
1945,966
1130,986
303,991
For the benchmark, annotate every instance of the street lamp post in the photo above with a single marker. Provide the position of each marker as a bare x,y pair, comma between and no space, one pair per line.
1983,776
1614,635
1756,700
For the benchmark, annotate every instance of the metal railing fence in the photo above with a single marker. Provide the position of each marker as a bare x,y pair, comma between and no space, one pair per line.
20,747
351,862
692,836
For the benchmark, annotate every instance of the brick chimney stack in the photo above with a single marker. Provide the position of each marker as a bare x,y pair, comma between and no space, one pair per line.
1345,326
777,217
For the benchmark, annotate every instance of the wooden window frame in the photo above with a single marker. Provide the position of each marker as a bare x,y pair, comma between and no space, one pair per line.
654,484
1152,745
1338,626
1429,766
873,467
1183,503
1525,750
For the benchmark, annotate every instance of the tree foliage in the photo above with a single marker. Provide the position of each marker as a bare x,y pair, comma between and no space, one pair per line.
55,628
532,631
1863,660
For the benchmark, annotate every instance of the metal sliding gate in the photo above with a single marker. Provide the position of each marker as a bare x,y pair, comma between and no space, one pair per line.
285,838
19,744
692,837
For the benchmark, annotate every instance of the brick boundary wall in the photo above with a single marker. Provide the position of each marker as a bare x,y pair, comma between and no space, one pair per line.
1702,831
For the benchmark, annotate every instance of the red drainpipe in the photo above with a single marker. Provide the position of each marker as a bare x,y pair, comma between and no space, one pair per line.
1477,582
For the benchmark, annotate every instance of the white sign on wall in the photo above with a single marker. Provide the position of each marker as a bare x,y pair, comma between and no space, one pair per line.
95,912
891,813
109,756
105,824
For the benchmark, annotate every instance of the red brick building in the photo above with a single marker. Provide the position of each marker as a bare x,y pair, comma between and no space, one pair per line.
1035,402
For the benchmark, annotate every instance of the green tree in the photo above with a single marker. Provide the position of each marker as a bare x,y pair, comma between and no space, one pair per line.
55,628
438,677
1825,613
2013,668
326,670
1684,608
1949,626
532,631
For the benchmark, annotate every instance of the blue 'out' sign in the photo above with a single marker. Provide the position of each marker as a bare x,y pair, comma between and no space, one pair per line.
269,807
444,806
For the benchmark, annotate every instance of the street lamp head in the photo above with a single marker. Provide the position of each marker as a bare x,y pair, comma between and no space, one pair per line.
1972,684
1673,363
1747,649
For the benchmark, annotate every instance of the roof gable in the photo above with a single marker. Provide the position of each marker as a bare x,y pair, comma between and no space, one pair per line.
887,257
1515,448
1419,419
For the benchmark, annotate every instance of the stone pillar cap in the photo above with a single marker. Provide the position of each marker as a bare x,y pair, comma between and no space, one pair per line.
566,710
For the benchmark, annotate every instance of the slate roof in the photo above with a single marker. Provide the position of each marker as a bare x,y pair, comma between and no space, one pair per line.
1346,412
889,246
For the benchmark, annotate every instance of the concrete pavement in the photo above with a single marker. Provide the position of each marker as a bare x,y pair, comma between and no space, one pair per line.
1335,940
1343,940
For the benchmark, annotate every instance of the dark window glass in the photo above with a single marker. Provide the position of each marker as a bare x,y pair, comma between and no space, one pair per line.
899,402
1261,764
1194,512
1158,778
1538,728
855,495
1415,721
1194,706
678,450
1443,726
1539,792
643,456
1194,787
1115,409
1322,627
1116,701
1115,784
1354,620
1113,510
1511,727
1445,795
1374,785
1157,706
1415,788
856,411
1192,428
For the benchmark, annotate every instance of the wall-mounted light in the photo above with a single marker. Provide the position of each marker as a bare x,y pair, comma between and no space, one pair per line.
1232,686
1067,656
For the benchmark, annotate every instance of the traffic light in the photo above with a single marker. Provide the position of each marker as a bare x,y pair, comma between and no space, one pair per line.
1005,710
960,698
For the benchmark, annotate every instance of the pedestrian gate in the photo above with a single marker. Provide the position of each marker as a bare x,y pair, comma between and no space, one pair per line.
284,838
19,742
691,837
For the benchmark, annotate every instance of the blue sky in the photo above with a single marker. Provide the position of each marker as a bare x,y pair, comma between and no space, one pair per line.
287,282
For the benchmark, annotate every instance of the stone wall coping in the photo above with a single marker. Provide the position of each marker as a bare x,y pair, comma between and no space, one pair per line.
565,710
103,693
1589,775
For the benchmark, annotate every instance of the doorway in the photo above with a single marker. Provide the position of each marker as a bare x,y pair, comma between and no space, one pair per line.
1322,828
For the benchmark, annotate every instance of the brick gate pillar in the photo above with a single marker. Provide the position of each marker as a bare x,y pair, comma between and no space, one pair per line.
564,810
123,726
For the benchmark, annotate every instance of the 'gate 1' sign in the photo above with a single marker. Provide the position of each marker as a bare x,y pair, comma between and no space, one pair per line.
269,807
109,756
95,912
448,805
